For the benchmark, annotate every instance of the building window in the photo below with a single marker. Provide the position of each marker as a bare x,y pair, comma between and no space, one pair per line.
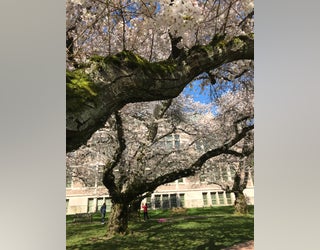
213,198
108,204
173,200
68,181
221,198
177,141
91,205
229,201
205,199
157,201
170,142
181,180
165,201
100,201
182,201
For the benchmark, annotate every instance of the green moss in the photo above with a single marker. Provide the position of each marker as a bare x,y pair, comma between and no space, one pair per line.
133,61
162,67
79,90
125,58
98,59
237,42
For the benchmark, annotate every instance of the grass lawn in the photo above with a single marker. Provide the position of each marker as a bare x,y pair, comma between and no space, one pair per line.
196,229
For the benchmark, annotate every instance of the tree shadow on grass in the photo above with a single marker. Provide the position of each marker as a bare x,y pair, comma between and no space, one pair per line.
194,232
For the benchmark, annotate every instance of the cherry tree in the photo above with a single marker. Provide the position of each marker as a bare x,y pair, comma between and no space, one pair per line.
145,145
126,51
239,165
235,103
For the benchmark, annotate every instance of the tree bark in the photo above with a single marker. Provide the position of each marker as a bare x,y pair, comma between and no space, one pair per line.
242,175
118,219
240,203
105,85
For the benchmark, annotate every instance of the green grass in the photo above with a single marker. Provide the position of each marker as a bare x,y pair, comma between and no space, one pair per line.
193,230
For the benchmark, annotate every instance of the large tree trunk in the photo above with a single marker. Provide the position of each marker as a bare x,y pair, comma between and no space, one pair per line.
240,183
118,219
241,178
240,203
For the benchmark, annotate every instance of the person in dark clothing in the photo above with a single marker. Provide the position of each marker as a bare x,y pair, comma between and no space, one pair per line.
103,210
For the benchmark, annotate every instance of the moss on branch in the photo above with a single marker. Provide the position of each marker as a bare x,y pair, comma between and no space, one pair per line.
80,90
132,61
126,77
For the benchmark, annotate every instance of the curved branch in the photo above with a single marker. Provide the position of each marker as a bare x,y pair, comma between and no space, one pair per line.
124,78
196,166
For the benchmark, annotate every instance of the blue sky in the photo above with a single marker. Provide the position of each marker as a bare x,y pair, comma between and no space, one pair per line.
198,94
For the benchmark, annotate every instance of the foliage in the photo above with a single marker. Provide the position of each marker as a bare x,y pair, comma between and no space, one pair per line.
162,141
147,27
217,223
146,50
146,145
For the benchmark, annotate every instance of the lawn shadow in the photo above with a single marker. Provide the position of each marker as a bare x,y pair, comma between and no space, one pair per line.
202,230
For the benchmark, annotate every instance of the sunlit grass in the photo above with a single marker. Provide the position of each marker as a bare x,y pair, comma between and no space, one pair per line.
192,230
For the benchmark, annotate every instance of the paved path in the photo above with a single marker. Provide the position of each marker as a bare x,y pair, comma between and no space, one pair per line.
249,245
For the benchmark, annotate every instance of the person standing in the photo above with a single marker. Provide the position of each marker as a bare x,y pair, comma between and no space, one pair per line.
103,211
145,211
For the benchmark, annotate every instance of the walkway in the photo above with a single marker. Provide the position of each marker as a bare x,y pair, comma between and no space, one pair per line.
249,245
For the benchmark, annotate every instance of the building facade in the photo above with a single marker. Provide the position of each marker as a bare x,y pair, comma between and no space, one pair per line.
185,192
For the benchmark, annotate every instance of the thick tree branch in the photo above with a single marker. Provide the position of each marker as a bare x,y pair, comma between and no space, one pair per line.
105,85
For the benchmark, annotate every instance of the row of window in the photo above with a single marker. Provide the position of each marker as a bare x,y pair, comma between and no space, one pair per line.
164,201
170,142
224,173
97,182
93,205
95,178
216,198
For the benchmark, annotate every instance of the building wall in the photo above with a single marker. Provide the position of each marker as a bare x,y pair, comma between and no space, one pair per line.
187,193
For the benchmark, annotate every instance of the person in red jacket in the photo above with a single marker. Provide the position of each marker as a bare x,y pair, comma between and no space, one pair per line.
145,211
